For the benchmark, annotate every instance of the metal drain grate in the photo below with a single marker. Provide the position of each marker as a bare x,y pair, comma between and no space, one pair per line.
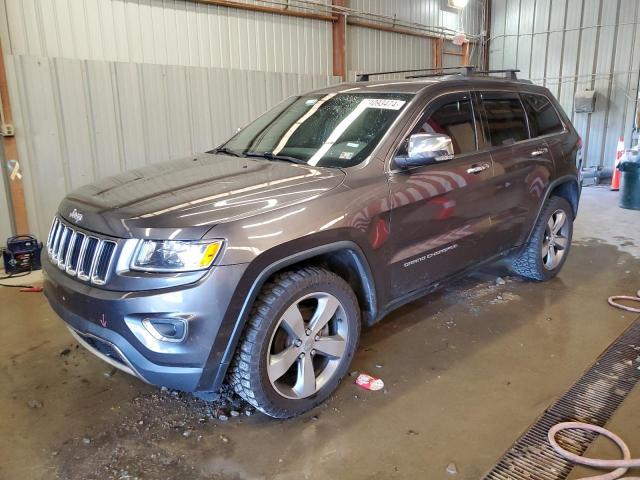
592,399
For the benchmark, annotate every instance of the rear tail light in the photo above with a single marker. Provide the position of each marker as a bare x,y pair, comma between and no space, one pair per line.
579,156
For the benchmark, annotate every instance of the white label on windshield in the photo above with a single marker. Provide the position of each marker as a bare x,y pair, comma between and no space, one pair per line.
384,103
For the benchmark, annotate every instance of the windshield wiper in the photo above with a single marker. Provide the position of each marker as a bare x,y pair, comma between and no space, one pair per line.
226,150
271,156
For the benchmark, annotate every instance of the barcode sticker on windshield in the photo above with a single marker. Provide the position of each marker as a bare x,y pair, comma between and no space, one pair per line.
384,103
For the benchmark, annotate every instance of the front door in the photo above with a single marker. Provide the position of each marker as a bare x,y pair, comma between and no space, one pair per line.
440,212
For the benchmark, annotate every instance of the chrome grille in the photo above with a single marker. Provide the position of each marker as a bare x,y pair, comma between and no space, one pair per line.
80,254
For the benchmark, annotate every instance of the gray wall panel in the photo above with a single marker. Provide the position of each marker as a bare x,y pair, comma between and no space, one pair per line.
497,44
577,45
523,41
372,50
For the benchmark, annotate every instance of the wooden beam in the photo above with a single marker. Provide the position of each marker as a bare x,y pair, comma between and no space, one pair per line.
14,172
265,9
339,32
335,18
438,48
387,28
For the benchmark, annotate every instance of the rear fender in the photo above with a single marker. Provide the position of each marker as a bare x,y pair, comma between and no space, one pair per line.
553,186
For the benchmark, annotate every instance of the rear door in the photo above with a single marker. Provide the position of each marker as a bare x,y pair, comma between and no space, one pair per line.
440,212
545,123
522,166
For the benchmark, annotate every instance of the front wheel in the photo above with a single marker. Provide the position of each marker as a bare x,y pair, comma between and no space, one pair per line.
548,248
298,344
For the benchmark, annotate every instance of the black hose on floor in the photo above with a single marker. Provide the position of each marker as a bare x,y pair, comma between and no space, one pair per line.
13,275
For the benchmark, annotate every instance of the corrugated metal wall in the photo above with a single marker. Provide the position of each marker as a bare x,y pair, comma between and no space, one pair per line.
166,32
426,12
374,50
80,120
101,86
571,45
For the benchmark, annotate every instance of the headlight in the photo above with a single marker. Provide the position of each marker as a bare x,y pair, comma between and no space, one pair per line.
175,256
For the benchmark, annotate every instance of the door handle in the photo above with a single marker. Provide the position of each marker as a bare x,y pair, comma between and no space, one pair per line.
476,169
540,151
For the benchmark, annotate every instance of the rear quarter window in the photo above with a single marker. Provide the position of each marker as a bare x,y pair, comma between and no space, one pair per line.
543,118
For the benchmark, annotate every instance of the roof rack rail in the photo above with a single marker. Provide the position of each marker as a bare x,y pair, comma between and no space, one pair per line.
511,72
466,70
364,77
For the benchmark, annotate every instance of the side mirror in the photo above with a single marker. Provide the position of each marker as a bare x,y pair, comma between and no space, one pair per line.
425,149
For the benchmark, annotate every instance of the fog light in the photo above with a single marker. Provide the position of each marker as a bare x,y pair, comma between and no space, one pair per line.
166,329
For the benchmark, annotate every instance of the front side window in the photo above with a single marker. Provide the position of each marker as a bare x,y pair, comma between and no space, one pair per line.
506,122
543,118
454,118
332,130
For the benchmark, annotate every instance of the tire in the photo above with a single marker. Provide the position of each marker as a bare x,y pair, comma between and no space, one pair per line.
532,262
281,331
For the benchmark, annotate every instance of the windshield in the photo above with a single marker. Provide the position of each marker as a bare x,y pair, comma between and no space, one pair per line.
330,130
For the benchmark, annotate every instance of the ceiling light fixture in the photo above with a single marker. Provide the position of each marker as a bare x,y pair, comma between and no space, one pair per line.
458,3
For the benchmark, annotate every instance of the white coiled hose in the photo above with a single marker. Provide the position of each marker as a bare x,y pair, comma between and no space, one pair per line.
621,466
613,303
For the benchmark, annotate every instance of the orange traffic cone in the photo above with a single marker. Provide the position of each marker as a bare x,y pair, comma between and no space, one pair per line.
615,178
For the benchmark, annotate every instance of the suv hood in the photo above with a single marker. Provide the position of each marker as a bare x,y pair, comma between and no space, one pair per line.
183,199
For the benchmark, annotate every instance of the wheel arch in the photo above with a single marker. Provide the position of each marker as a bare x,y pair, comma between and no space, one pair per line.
345,258
566,187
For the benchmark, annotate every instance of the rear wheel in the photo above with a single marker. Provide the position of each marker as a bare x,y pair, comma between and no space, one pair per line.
298,344
548,248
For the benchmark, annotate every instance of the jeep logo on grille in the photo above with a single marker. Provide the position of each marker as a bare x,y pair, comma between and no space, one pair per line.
76,216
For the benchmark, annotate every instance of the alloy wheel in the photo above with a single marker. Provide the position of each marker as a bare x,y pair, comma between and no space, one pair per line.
307,345
556,240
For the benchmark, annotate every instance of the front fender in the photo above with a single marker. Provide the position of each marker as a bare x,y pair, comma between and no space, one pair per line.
252,281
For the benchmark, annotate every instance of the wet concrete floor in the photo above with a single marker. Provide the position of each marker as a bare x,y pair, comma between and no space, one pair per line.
466,369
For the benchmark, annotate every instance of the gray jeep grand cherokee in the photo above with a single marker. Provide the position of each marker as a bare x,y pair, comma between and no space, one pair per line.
256,263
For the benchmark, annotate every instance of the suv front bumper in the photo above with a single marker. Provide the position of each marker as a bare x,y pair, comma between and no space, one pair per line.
110,323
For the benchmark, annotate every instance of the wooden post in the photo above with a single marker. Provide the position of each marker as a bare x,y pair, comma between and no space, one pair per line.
465,54
438,47
487,29
339,42
12,165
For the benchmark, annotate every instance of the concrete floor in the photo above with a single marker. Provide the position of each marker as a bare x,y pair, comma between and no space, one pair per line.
466,371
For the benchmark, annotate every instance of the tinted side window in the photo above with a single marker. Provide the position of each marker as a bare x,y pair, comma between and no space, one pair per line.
453,118
506,121
543,118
